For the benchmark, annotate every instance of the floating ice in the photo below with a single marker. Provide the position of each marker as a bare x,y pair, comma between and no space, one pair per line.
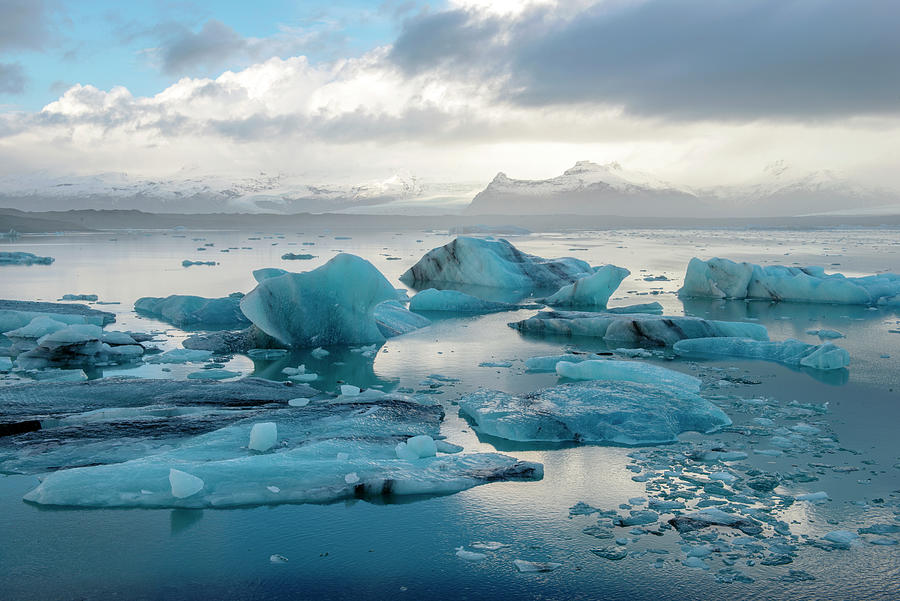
548,363
263,436
841,538
656,330
319,353
631,371
349,390
453,301
321,446
590,291
493,263
393,319
832,334
790,352
189,263
23,258
194,311
715,517
180,355
653,308
721,278
297,256
298,402
15,314
535,566
333,304
417,447
92,298
593,412
469,555
813,496
184,485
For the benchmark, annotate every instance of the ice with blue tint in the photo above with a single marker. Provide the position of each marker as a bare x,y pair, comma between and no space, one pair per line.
825,356
548,363
268,272
628,371
16,314
643,329
332,304
70,344
598,412
653,308
321,444
180,355
36,328
493,263
453,301
194,311
393,319
591,291
722,278
113,420
23,258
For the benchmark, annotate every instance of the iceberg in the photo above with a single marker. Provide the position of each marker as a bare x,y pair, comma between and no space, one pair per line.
393,319
644,329
453,301
493,263
626,413
332,304
75,344
15,314
825,356
628,371
297,257
23,258
92,298
194,311
722,278
590,291
321,446
548,363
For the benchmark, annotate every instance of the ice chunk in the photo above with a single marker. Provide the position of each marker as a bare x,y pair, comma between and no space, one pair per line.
630,371
180,355
453,301
92,298
536,566
15,314
184,485
36,328
194,311
653,308
23,258
319,353
548,363
297,256
189,263
493,263
813,496
593,412
276,558
393,319
351,478
422,445
823,334
790,352
349,390
298,402
841,538
267,272
590,291
263,436
469,555
333,304
655,330
715,517
721,278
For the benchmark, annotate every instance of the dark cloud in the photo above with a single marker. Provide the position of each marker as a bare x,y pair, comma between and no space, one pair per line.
213,46
12,78
694,59
23,25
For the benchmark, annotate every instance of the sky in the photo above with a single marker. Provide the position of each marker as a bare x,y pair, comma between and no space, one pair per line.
700,93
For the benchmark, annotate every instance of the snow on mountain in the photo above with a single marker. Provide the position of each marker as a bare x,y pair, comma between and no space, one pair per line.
192,193
592,189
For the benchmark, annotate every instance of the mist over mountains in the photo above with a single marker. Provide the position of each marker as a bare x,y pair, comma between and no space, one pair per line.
587,188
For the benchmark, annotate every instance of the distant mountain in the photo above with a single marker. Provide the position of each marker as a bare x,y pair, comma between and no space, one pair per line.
585,189
193,193
592,189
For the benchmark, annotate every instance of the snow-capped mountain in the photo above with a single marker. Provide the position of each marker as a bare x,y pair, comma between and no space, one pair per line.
192,193
592,189
585,189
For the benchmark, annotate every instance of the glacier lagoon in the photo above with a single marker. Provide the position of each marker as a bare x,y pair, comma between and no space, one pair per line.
795,432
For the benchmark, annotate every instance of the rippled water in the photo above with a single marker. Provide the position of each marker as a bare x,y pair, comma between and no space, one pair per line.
397,550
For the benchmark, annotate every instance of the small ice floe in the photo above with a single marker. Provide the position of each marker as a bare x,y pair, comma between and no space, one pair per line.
276,558
351,478
841,539
469,555
273,489
298,402
416,447
319,353
813,496
535,566
350,390
495,364
488,545
823,334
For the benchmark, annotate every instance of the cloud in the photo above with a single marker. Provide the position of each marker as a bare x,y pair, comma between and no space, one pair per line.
23,25
693,60
12,78
210,48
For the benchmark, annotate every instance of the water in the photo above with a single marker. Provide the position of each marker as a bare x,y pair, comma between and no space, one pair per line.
392,550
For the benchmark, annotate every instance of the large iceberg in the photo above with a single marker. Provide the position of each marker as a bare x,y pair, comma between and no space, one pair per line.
629,371
590,291
453,301
655,330
722,278
493,263
195,311
328,450
333,304
825,356
597,412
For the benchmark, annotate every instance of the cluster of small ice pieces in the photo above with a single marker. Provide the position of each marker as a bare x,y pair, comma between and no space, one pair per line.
722,278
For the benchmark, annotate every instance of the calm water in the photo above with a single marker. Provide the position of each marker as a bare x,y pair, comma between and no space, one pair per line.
406,550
